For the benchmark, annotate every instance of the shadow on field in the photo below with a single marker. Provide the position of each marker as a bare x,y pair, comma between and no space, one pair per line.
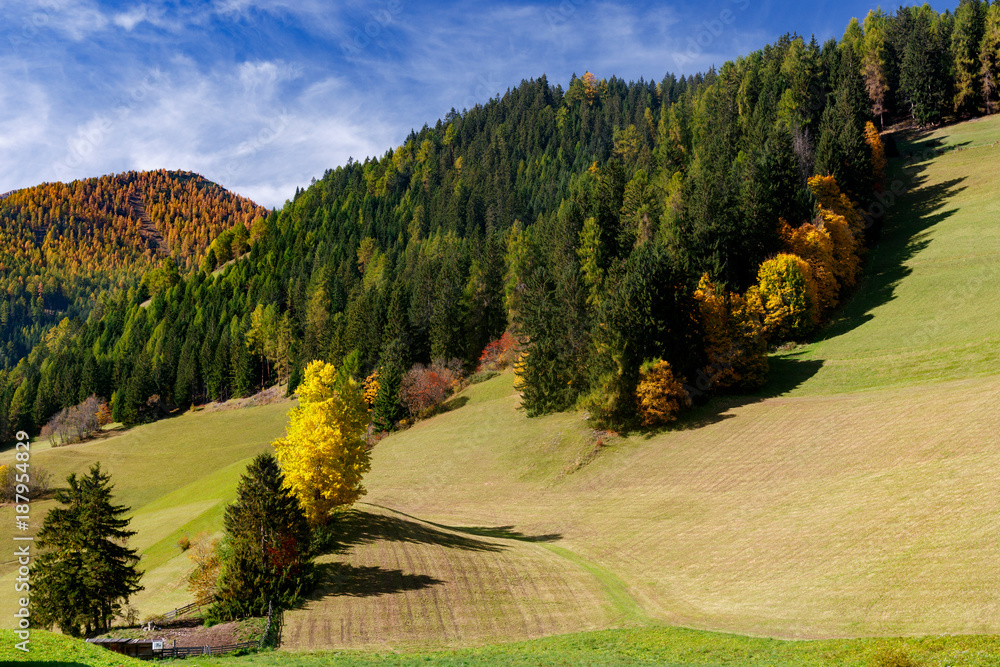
366,581
909,216
785,373
505,532
360,527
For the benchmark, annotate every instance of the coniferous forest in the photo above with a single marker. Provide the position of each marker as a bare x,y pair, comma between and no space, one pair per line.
642,243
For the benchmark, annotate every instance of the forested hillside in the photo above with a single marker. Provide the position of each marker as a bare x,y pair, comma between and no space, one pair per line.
62,245
643,242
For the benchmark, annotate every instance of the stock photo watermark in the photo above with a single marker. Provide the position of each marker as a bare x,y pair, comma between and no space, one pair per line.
269,133
378,22
708,31
22,543
93,135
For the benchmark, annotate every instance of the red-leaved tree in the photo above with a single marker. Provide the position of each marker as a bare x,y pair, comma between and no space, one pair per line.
424,387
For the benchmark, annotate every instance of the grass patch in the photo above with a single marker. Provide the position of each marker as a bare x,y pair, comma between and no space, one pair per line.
665,646
48,649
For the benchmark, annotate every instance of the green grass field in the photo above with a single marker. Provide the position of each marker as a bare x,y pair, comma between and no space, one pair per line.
928,308
856,498
177,476
644,646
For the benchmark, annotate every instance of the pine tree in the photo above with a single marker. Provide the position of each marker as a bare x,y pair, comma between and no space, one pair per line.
265,554
86,573
989,55
966,39
922,75
842,151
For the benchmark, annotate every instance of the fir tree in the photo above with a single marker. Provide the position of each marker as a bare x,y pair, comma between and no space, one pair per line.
265,556
86,573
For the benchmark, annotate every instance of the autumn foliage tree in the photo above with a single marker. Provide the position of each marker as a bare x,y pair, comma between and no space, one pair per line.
879,164
813,244
203,580
787,294
499,354
735,347
323,454
659,395
424,387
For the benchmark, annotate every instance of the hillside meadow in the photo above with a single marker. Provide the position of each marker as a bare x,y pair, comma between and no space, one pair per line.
855,497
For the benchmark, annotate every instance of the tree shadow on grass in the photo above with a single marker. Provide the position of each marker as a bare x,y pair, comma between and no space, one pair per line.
366,581
501,532
506,533
785,374
447,406
899,225
357,526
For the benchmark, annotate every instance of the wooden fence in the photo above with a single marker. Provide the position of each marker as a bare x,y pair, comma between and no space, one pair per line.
270,637
188,651
180,611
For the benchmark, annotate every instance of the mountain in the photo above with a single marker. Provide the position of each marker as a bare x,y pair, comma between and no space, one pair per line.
622,232
63,244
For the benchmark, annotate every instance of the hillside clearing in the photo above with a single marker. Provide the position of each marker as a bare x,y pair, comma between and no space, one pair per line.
859,499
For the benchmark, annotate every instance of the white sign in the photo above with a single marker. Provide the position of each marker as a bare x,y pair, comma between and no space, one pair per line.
158,645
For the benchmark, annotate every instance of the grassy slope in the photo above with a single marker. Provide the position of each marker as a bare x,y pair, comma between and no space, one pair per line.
661,646
47,648
824,511
928,309
176,475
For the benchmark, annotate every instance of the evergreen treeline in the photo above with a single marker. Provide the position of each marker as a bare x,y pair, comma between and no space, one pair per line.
63,244
623,231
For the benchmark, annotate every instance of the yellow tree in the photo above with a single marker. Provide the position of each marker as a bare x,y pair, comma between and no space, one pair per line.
879,164
830,197
787,294
733,335
814,245
324,454
660,395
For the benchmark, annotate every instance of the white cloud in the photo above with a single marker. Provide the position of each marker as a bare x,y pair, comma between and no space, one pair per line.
238,126
130,19
74,18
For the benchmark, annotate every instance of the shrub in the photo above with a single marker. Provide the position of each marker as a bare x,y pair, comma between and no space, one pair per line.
887,656
184,543
482,376
38,484
499,354
424,387
660,396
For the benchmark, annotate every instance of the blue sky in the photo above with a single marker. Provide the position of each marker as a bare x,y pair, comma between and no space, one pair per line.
263,96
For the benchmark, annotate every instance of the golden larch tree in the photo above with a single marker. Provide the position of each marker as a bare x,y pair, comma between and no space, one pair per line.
323,454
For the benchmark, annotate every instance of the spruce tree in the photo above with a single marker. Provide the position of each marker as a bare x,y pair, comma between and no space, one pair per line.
265,552
966,39
923,75
86,572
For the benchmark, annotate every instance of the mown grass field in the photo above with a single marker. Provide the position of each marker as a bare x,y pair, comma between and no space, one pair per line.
856,498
